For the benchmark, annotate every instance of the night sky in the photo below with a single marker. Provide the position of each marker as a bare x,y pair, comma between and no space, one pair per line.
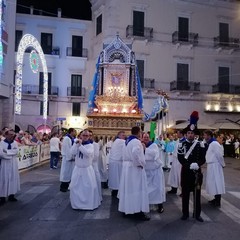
49,8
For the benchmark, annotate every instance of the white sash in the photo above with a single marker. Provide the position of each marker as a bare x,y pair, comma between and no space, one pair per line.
190,149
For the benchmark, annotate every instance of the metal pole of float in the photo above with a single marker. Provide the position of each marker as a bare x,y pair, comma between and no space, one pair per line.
159,123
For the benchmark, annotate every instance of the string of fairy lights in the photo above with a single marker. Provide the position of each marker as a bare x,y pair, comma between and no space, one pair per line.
1,26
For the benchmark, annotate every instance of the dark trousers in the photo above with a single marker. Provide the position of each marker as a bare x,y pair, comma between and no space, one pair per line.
218,199
196,202
64,186
54,158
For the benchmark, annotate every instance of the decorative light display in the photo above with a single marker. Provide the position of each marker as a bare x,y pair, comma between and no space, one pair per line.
34,61
29,40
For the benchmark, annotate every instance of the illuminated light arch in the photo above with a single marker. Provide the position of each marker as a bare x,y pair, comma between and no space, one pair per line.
29,40
1,23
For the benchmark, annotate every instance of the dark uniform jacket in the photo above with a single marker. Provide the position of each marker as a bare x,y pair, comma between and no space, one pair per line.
197,155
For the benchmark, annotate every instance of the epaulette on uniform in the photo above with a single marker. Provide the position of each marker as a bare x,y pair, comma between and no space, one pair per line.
180,145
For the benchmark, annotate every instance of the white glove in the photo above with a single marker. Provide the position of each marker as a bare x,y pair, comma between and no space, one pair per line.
194,166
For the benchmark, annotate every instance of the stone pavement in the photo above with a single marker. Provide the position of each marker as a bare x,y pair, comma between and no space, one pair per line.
43,212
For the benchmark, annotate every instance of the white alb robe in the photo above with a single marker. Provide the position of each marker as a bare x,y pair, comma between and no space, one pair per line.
83,187
133,191
115,163
174,176
67,160
9,173
95,167
155,175
108,147
161,146
215,183
102,163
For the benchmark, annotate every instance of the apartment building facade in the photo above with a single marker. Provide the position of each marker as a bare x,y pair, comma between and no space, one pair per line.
188,48
7,34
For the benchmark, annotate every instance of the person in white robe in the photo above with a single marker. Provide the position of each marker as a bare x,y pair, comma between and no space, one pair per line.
102,163
9,174
215,183
108,148
133,190
161,146
174,176
115,163
95,163
83,187
67,160
155,175
170,146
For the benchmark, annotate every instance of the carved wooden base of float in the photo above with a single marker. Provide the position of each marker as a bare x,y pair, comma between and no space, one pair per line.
110,125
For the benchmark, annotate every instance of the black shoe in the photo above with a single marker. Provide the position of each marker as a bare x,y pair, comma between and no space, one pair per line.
217,204
160,210
213,202
11,198
128,215
172,192
142,216
2,201
199,219
184,217
104,185
114,193
63,190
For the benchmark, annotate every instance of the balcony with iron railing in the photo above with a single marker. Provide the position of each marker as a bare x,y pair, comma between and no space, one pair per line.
47,50
191,38
185,86
148,83
33,90
226,88
147,33
76,52
76,92
230,43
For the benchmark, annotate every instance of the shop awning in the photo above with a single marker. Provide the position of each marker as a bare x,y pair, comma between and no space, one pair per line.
226,125
199,125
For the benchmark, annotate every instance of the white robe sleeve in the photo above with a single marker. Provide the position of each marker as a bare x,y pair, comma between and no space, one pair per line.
138,155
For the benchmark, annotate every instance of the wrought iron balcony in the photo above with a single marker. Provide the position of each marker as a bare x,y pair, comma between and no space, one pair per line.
226,88
185,86
191,38
28,89
230,43
77,52
56,51
149,83
48,50
147,33
76,92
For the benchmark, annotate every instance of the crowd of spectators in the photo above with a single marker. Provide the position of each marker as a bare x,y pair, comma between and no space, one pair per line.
25,138
230,143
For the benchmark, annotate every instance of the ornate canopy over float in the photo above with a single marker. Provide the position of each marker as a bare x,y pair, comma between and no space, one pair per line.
115,101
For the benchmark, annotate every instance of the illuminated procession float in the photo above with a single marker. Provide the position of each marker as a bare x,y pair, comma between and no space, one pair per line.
115,100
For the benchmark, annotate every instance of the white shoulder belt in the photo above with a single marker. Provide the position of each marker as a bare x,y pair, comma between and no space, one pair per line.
190,150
